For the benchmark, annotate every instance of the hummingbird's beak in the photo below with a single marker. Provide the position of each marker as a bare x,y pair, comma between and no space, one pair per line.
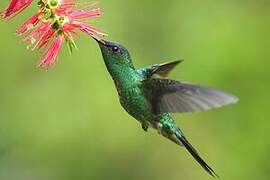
100,41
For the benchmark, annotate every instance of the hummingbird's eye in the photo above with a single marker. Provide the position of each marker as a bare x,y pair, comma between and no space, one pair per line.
115,49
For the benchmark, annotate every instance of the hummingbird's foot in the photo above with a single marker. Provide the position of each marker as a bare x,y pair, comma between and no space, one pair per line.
145,127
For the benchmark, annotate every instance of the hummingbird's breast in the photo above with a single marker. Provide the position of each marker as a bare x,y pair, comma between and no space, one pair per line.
134,102
131,96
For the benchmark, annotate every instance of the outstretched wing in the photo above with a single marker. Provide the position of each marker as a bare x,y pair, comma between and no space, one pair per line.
158,69
173,96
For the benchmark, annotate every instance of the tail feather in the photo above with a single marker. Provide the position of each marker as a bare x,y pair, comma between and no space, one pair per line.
169,129
196,156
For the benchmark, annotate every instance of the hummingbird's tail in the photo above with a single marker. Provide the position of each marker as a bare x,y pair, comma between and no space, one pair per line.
170,130
196,156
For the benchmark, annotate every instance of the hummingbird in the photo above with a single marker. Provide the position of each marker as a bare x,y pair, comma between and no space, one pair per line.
149,97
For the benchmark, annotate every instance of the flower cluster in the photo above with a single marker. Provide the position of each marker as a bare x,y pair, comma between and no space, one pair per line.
55,21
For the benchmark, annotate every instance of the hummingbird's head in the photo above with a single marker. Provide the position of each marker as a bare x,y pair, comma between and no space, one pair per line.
114,54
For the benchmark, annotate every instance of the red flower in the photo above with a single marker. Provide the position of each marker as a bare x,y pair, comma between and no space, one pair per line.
67,20
15,7
56,21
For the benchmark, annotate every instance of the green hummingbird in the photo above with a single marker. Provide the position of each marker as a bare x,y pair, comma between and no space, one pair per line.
150,98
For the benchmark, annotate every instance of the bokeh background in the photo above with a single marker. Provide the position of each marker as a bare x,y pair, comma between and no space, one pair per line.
67,124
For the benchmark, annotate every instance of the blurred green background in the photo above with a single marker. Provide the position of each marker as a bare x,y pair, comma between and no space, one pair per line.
67,124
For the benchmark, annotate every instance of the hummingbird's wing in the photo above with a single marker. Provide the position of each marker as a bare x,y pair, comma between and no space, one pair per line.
173,96
158,69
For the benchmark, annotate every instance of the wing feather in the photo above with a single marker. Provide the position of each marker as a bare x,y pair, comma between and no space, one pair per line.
160,70
173,96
